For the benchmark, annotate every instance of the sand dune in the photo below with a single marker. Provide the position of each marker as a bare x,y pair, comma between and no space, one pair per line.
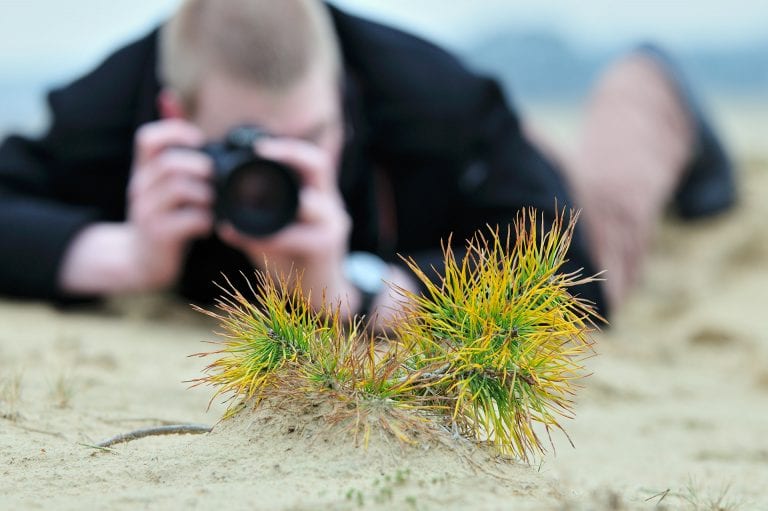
674,415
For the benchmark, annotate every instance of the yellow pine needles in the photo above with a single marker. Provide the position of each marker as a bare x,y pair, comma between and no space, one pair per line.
273,345
490,352
501,336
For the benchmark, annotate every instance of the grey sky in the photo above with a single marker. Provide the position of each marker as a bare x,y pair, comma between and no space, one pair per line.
56,35
47,42
591,22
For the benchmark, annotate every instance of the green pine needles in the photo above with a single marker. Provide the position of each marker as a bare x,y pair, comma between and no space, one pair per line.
492,352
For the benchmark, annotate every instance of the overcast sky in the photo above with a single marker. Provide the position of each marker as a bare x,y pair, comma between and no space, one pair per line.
55,36
48,42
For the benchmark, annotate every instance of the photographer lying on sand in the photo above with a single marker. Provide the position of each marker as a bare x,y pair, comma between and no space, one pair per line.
368,141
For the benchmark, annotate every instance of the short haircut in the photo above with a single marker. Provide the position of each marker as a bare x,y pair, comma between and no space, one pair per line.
270,43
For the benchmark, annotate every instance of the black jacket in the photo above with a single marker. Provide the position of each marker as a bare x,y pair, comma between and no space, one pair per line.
440,139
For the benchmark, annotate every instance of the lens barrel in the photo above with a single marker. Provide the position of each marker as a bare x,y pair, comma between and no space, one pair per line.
258,196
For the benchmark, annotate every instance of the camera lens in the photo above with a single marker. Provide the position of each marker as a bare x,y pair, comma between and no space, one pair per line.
260,197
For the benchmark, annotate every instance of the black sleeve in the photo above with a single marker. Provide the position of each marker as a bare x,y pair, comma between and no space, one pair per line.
499,174
76,173
452,146
502,174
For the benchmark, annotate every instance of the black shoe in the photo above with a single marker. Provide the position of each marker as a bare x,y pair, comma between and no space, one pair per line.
708,185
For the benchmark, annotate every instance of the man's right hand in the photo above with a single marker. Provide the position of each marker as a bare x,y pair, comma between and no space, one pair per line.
170,197
169,203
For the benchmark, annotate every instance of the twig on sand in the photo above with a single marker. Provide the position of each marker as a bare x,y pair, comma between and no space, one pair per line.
173,429
154,420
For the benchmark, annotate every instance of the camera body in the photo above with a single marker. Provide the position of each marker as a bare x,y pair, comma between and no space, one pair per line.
257,195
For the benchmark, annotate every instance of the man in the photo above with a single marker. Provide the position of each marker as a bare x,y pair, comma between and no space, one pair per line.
395,143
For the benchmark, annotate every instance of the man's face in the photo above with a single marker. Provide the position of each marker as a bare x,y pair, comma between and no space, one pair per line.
309,110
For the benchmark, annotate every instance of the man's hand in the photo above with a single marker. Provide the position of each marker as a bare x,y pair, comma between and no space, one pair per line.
169,204
169,199
316,243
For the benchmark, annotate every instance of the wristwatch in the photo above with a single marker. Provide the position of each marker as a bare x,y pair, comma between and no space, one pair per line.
366,272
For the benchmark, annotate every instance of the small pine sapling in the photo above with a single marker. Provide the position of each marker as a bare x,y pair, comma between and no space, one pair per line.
491,350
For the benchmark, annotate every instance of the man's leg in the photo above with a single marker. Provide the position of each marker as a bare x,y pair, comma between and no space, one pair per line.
636,142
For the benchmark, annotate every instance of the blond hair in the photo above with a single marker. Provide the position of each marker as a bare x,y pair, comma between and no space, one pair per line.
270,43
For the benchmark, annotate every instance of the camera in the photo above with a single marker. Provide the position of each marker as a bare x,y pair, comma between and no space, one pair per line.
258,196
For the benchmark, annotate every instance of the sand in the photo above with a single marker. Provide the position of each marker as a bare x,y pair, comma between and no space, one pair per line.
673,416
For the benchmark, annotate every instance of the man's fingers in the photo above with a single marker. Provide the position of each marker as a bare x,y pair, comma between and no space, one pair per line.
311,163
178,193
170,164
152,138
316,207
185,224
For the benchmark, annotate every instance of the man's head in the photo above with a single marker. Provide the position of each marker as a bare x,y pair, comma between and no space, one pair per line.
266,62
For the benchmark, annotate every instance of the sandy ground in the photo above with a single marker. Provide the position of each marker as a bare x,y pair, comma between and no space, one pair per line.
674,415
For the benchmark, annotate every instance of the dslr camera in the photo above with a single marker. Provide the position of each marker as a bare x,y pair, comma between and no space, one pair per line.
258,196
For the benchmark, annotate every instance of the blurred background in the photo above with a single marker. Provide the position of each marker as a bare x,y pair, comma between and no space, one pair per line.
546,52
